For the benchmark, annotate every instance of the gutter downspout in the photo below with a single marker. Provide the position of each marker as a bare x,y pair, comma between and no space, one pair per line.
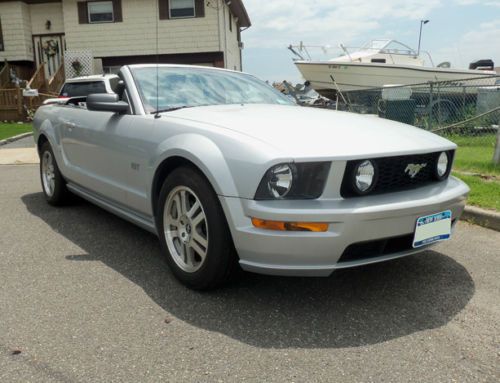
218,26
225,32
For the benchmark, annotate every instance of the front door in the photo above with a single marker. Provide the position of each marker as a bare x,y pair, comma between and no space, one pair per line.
49,49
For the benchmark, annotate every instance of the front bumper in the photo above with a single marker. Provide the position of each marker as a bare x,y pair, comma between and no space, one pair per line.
351,221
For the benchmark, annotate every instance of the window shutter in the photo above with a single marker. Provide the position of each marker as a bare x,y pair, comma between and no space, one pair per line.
83,13
163,6
117,11
199,8
2,48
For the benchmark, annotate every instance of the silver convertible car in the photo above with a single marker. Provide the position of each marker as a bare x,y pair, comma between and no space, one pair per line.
230,174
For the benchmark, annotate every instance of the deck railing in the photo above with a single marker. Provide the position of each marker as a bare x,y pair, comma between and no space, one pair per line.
5,75
57,80
11,104
38,81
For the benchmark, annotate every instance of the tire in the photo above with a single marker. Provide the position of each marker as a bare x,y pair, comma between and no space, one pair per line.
193,231
53,183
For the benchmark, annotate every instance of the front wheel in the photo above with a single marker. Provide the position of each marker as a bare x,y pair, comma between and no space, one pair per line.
193,231
53,183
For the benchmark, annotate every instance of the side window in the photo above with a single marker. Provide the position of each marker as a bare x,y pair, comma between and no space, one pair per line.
92,12
82,89
113,83
181,8
100,12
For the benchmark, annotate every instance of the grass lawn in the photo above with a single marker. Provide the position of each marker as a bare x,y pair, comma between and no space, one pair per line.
483,193
475,154
11,130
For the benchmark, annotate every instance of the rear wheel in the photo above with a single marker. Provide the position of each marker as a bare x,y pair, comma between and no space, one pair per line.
193,231
53,183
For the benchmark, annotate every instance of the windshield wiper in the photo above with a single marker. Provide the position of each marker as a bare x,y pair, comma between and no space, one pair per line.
172,109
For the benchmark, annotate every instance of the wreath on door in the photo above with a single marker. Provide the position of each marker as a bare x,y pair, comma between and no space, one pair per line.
50,48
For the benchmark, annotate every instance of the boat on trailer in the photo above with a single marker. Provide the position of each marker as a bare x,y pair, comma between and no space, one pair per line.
384,62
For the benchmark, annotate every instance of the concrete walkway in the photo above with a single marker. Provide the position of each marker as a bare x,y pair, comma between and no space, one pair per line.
20,152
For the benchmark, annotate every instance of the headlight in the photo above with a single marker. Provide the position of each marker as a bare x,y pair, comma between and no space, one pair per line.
293,181
364,177
442,166
280,180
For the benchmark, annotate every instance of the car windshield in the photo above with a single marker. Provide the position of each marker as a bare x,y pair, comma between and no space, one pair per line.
81,89
181,87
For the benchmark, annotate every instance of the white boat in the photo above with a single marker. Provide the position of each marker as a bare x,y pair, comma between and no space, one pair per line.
380,63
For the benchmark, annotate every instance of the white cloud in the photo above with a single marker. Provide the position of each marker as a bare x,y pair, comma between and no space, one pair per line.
280,22
478,43
491,3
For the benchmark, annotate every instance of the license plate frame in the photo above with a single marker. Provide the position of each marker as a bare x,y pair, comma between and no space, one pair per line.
432,228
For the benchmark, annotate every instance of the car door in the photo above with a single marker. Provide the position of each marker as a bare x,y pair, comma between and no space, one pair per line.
92,148
109,153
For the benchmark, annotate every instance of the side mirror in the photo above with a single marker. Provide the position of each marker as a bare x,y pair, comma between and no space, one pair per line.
106,102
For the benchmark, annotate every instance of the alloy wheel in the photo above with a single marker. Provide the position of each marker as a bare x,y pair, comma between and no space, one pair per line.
48,175
185,229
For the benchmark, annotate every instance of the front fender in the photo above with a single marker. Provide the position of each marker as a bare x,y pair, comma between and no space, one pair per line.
202,152
42,125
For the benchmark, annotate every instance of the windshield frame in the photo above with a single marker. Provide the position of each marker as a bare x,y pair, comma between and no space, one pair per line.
147,107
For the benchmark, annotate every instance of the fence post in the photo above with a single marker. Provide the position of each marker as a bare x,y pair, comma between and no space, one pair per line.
429,121
20,102
496,154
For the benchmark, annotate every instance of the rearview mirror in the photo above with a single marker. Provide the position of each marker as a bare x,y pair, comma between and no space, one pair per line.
106,102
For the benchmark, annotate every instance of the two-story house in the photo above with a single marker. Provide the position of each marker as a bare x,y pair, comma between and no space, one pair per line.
118,32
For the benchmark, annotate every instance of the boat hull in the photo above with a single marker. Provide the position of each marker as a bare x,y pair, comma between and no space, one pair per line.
359,76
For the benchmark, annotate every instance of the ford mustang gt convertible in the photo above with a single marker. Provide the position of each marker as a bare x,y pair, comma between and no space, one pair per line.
230,174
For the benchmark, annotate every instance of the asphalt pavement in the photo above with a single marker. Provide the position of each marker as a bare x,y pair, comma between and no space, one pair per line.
87,297
26,142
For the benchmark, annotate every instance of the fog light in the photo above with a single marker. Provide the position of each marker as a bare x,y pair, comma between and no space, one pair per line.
289,226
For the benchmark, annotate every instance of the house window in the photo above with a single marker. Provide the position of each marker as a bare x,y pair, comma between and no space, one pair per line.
181,9
230,21
100,11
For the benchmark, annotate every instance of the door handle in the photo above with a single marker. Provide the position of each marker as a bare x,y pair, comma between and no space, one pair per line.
70,125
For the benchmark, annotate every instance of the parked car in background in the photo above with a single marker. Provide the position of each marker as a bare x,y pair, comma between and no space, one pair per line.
227,172
85,85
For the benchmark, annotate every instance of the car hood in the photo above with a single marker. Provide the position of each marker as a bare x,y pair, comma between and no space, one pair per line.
302,132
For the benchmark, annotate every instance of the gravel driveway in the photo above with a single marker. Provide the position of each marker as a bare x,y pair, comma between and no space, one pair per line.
87,297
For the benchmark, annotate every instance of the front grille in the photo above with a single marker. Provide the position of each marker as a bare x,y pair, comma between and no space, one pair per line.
391,173
377,248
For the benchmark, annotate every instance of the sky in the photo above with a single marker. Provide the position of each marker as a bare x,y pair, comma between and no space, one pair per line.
459,31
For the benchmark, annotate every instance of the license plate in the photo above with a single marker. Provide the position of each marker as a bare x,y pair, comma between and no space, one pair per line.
432,228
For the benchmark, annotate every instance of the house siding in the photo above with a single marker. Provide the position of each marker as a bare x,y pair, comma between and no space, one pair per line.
232,50
16,28
137,33
40,13
134,36
229,39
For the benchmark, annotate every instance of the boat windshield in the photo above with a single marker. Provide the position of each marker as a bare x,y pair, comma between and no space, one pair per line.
376,44
390,47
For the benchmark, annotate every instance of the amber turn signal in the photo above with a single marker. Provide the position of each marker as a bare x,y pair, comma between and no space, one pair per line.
289,226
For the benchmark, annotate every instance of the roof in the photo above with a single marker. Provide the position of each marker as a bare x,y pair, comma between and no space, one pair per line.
239,10
95,77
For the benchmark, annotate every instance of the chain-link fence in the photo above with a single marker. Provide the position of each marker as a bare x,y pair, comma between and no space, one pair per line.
466,111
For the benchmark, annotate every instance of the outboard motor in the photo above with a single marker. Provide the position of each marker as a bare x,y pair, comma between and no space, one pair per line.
486,64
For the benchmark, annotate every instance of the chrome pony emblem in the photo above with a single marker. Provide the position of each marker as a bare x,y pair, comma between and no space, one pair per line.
414,169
